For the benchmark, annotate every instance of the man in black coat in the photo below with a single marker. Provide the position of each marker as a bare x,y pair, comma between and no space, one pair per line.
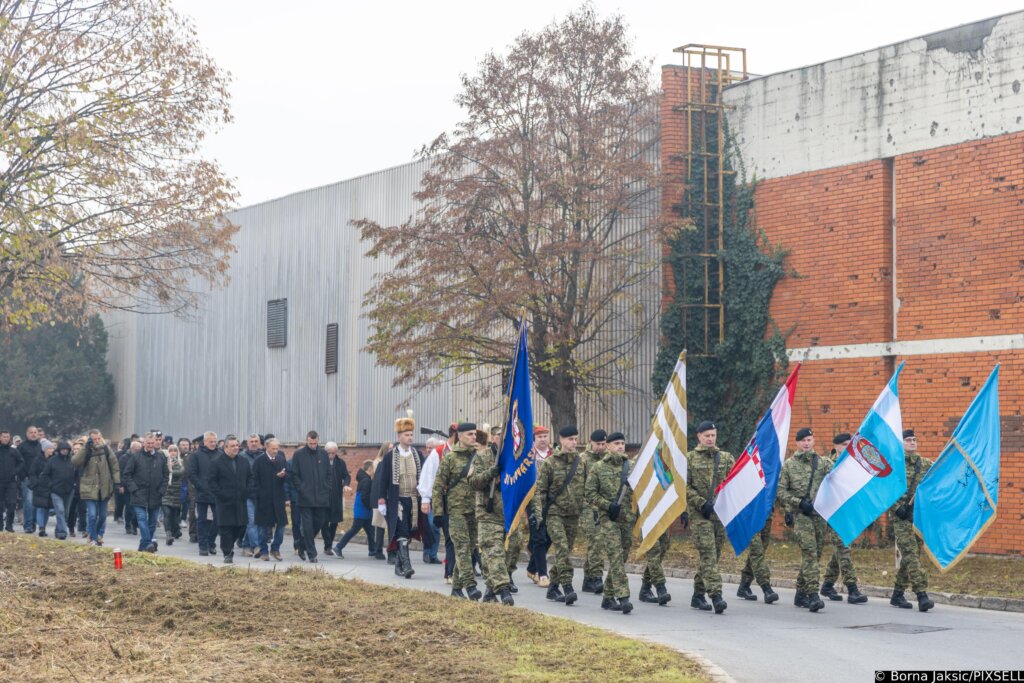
199,463
231,484
10,471
340,481
30,451
59,474
311,477
146,476
394,489
268,475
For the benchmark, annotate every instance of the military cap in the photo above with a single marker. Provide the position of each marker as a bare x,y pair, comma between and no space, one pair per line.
909,433
842,437
616,436
466,427
705,426
599,435
804,433
568,430
540,429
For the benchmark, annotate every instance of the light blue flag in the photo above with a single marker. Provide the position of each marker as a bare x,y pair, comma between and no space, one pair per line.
870,474
956,500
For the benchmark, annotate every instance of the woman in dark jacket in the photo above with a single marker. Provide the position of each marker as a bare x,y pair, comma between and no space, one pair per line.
60,475
362,513
340,479
40,486
269,488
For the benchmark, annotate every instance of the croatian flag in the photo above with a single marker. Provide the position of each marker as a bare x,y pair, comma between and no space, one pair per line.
870,474
744,500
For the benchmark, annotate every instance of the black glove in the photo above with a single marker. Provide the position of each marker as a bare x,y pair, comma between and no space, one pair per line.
685,519
613,511
706,509
806,507
534,522
494,472
905,512
789,519
597,516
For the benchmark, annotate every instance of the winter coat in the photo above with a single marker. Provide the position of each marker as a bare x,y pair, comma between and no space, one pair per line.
30,451
311,476
551,477
10,465
339,480
199,462
269,490
604,481
38,484
230,482
146,476
172,496
384,487
363,508
484,473
101,471
59,471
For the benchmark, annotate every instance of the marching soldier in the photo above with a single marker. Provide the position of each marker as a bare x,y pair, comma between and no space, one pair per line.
458,504
654,574
706,466
490,523
756,567
594,564
608,493
560,487
901,516
841,559
798,485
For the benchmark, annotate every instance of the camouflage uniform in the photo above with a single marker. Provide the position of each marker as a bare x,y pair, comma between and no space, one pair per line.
563,512
653,572
460,511
708,534
589,528
811,531
515,546
490,525
615,537
756,568
910,573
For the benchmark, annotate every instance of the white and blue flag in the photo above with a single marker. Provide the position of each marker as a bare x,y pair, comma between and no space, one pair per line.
871,473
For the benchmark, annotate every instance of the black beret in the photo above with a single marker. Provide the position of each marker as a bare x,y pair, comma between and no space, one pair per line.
466,427
842,437
907,433
705,426
568,430
616,436
599,435
804,433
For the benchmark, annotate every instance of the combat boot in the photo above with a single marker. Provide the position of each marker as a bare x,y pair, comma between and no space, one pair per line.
555,594
489,596
719,603
698,602
457,593
391,557
924,603
512,587
800,600
506,597
609,603
853,595
745,592
814,603
897,600
770,596
829,591
625,606
473,593
663,594
590,583
646,594
570,594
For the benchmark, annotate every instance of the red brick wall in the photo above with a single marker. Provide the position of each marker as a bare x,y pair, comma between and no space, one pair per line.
959,273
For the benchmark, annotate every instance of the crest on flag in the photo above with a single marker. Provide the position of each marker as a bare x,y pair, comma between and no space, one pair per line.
516,425
868,457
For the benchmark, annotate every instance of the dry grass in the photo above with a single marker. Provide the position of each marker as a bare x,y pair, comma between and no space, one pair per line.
67,615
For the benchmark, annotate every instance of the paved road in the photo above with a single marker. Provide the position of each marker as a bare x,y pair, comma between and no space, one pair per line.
751,641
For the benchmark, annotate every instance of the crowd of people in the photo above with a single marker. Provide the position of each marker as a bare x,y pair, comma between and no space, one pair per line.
246,493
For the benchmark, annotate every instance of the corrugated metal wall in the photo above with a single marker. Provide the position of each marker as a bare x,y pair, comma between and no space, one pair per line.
216,372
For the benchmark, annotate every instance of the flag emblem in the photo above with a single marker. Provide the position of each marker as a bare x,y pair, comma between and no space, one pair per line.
868,457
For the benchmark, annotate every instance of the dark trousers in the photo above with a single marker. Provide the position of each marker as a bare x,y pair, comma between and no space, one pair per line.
76,513
206,529
120,504
539,544
327,532
8,505
296,525
403,530
228,536
449,547
378,535
193,525
312,522
172,521
130,521
357,526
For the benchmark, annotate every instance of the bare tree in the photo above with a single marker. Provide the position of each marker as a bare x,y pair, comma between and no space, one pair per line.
541,198
104,199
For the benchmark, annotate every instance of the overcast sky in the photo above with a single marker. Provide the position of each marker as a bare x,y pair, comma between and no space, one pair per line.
329,90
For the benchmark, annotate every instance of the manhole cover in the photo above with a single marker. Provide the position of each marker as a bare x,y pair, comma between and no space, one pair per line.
900,628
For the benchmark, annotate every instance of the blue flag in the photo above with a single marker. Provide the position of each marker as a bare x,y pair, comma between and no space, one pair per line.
956,499
870,475
518,468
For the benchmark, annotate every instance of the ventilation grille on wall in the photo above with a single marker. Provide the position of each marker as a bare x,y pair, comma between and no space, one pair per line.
331,361
277,323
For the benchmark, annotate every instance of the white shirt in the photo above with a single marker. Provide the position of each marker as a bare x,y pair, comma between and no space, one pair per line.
429,472
541,455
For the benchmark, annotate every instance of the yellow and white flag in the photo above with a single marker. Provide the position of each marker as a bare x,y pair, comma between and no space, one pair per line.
659,475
